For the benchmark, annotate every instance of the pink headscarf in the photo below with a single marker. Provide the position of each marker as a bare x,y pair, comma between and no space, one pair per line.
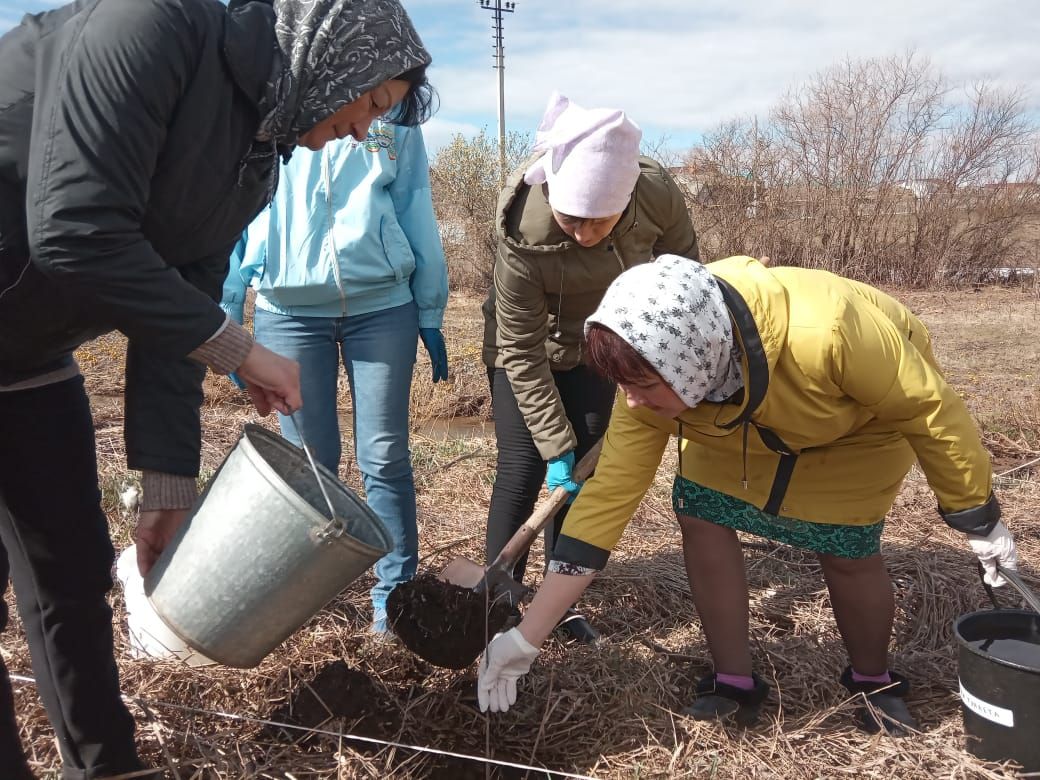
591,159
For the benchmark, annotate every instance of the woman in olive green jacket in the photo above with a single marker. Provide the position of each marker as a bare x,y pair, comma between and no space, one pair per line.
798,401
580,211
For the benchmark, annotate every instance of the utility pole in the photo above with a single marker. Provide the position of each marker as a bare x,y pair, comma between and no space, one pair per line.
497,8
754,175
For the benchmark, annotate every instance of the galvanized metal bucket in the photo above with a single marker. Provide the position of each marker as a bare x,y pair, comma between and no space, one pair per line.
259,555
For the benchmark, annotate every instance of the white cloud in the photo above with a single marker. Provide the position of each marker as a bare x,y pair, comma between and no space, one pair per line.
684,67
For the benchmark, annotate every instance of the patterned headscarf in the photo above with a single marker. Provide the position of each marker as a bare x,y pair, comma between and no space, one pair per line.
329,53
672,313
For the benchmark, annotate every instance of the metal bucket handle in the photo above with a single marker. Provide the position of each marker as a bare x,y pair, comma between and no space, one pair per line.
317,477
1016,581
334,529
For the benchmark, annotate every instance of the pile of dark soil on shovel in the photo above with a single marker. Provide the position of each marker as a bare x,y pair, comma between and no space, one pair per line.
444,624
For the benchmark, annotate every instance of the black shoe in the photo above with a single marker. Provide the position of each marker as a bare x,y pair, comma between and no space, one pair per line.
881,704
716,701
575,628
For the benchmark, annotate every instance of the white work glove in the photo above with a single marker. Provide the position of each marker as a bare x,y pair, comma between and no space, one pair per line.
507,658
997,548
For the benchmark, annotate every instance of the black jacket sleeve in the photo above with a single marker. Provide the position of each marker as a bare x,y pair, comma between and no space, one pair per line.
162,428
107,86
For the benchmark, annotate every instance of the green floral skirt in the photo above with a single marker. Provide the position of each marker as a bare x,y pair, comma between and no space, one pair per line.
843,541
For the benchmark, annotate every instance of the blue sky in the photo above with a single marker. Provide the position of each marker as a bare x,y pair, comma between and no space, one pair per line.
680,67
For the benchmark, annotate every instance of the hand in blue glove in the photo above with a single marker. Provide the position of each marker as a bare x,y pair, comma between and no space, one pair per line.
433,340
559,474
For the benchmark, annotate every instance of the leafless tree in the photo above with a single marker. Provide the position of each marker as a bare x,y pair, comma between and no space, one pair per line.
464,177
983,170
876,169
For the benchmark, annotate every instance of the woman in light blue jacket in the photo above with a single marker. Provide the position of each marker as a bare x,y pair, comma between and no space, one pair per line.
347,262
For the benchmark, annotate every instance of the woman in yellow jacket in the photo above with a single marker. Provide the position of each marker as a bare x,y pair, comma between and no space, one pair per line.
798,400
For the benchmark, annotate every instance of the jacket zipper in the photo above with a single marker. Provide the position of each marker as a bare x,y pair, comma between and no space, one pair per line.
613,246
617,254
680,501
621,262
559,312
743,453
784,468
326,172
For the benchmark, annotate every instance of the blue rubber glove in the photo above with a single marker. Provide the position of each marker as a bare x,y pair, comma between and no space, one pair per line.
559,474
433,340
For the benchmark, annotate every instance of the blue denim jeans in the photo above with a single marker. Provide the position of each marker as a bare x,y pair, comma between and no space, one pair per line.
378,351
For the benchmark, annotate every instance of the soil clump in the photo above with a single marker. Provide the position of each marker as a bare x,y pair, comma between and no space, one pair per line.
445,624
338,694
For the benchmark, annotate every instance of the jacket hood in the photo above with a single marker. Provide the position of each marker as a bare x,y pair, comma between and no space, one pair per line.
249,46
760,320
525,222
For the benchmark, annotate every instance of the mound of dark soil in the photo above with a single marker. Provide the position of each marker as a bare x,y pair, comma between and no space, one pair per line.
338,692
444,624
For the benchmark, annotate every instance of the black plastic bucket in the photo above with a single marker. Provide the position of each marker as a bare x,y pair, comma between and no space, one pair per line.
999,671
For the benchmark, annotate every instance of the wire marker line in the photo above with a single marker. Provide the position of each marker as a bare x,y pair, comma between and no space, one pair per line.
338,734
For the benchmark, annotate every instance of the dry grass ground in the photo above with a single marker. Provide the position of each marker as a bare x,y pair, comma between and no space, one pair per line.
612,711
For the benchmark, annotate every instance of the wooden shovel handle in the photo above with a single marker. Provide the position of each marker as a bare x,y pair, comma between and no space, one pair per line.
543,513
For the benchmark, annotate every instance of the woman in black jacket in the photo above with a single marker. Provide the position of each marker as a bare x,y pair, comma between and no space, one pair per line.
138,138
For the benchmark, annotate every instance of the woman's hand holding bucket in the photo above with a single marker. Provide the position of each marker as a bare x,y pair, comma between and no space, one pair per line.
272,381
995,549
155,529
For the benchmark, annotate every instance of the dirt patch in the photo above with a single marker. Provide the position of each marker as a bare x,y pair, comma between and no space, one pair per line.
448,768
609,711
338,693
444,624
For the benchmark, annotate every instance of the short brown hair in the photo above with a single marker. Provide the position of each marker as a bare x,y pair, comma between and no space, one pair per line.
614,358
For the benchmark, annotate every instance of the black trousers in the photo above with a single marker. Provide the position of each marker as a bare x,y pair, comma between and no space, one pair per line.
587,399
55,546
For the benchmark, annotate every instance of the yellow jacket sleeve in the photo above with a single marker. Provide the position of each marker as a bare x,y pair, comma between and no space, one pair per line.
632,450
875,364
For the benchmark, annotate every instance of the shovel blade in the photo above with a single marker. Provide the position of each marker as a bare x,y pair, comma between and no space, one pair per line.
463,572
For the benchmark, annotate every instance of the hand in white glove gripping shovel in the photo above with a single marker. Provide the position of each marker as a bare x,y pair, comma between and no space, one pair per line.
506,660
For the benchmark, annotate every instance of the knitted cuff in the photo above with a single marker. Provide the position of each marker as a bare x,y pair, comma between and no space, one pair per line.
226,350
167,491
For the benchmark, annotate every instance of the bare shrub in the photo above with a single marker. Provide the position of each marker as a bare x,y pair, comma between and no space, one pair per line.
465,181
725,183
876,169
985,192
